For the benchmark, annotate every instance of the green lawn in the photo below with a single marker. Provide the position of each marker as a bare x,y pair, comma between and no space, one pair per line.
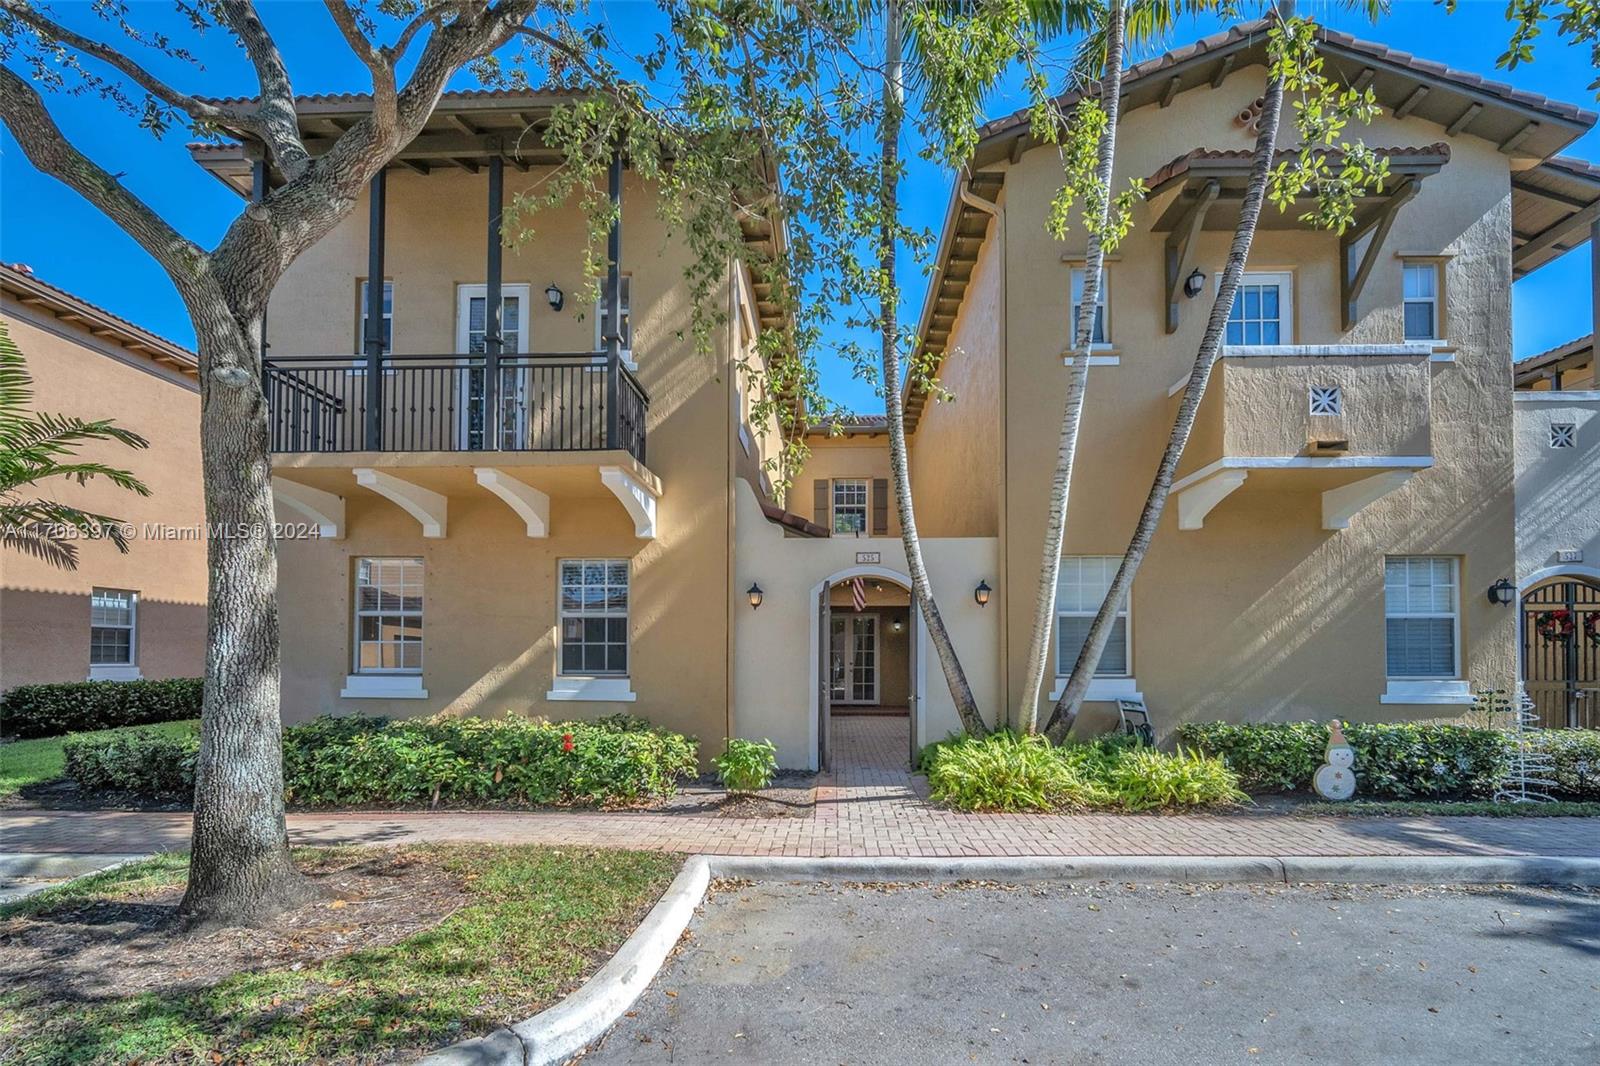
31,762
536,922
1422,808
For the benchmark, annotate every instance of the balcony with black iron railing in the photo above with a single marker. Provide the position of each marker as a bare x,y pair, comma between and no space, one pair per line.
565,402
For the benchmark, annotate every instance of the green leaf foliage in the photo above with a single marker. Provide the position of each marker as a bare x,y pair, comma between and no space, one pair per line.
747,765
75,706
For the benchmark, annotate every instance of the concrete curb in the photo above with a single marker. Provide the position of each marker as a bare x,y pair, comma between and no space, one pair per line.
562,1031
42,864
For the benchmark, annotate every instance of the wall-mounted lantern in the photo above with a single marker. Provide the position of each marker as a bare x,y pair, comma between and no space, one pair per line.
981,593
557,298
897,625
1194,284
1502,593
755,595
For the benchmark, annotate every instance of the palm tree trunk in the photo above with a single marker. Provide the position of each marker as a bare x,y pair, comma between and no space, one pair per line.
239,868
1071,701
889,326
1077,383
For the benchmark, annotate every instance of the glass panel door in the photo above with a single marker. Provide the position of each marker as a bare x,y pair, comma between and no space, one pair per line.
853,658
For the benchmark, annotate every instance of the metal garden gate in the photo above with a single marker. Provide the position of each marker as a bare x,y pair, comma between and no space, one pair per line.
1561,653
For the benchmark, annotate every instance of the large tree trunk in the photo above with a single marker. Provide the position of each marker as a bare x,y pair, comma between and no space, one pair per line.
1077,383
889,326
239,867
1071,702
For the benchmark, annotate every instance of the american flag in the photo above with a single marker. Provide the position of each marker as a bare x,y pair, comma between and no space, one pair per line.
858,593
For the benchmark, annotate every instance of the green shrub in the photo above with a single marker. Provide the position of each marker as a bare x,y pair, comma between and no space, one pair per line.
1144,779
149,762
747,765
80,706
1006,772
1395,760
372,761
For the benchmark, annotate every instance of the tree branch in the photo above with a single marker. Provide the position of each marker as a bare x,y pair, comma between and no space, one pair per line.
25,115
385,95
278,124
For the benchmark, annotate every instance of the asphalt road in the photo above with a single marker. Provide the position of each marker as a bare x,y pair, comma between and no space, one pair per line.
1141,974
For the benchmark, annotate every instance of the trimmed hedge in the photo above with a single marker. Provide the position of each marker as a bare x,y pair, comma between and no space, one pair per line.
1396,760
80,706
359,761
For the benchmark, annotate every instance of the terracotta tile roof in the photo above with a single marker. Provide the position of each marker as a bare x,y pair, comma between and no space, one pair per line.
1560,351
851,423
18,281
455,96
1243,156
790,520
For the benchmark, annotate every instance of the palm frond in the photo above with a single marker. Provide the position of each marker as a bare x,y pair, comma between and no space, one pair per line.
51,517
61,554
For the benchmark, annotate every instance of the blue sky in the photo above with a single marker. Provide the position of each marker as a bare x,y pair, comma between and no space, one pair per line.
70,244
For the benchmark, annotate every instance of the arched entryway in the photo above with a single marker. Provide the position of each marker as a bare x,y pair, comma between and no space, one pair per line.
868,650
1561,647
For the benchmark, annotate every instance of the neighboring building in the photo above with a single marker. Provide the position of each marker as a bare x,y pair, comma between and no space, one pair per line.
564,524
1556,412
116,617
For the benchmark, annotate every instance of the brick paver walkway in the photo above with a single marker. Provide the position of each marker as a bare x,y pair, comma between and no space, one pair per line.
868,805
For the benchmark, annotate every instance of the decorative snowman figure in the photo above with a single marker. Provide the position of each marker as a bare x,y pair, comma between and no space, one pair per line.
1335,778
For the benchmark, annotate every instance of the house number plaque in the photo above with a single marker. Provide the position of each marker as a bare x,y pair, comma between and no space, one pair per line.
869,557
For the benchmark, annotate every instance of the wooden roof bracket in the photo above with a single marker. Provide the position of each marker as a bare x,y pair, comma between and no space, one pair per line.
1353,274
1180,247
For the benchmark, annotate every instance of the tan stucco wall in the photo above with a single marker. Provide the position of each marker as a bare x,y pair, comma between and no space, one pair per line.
848,456
490,612
1262,614
1557,489
958,447
774,668
44,612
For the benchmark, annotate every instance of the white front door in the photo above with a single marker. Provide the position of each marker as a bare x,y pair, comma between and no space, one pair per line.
472,320
853,659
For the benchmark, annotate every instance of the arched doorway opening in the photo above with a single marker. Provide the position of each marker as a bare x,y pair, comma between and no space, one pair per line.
868,650
1561,648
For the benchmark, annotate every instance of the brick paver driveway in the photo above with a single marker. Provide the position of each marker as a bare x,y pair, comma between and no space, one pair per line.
868,805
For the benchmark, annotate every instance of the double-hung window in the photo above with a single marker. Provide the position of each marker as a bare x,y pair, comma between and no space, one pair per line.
849,505
1421,595
594,617
388,320
1263,310
1098,336
1421,292
113,631
1080,589
388,616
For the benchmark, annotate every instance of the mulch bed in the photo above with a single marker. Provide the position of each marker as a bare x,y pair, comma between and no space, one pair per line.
792,794
115,948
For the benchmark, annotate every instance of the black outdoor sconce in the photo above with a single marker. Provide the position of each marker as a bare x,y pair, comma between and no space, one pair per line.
1194,284
981,593
1502,593
755,595
557,298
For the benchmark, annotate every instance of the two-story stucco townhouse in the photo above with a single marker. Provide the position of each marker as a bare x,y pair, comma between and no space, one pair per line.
563,524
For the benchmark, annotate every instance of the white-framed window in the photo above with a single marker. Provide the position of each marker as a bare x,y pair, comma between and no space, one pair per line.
388,319
1563,435
601,317
1421,300
1263,310
1422,616
388,616
1080,588
850,505
1327,400
594,618
1079,275
472,318
113,627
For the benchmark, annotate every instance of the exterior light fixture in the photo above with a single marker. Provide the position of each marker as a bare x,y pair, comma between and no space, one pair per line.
755,595
981,593
897,625
1502,593
1194,284
556,297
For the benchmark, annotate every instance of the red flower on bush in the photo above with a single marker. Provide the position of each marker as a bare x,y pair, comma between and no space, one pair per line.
566,742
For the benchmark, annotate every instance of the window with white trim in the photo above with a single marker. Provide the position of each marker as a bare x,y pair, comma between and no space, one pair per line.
849,505
1263,310
601,316
388,616
1079,275
1422,622
1327,400
113,625
1421,301
388,319
1080,589
1563,435
594,617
